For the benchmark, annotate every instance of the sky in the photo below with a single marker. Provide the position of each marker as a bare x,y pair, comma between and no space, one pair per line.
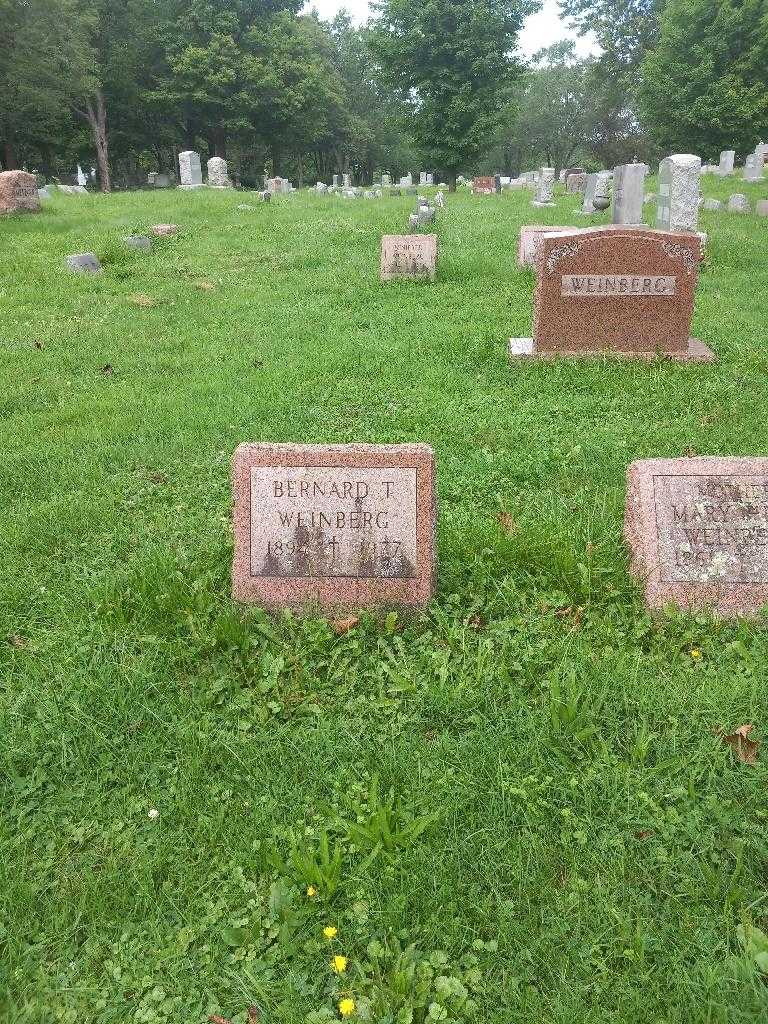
539,30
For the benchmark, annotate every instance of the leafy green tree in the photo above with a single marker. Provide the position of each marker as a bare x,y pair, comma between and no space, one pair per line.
45,54
705,85
453,60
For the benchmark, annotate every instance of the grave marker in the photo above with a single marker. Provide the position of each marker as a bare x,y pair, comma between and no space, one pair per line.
697,530
485,185
218,174
629,193
727,160
408,256
545,187
678,197
530,237
190,172
84,263
332,527
621,291
18,192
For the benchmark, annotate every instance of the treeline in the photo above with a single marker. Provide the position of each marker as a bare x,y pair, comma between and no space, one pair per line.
127,84
438,85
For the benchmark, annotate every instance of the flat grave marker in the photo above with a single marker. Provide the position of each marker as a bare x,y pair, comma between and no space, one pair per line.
697,530
333,527
408,256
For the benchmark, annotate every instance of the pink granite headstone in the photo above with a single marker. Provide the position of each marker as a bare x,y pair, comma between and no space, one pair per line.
484,185
334,527
18,192
412,257
697,530
615,290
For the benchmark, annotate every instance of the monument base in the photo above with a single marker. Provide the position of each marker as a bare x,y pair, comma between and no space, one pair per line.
697,352
201,185
534,203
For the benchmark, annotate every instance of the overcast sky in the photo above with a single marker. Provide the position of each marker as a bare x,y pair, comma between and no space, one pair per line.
540,29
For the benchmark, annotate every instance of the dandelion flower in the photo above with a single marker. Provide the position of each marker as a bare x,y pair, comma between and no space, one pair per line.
330,932
311,890
696,653
347,1007
339,964
153,814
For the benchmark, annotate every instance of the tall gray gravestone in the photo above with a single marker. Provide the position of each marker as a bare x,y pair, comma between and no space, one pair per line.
545,187
678,198
727,160
190,172
629,193
597,186
753,168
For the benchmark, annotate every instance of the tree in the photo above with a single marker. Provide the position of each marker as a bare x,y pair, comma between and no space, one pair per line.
44,54
712,57
453,60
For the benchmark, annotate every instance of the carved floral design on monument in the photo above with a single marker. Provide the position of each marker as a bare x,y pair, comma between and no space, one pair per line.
618,290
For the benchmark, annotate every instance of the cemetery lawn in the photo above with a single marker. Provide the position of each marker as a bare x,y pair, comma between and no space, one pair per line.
527,783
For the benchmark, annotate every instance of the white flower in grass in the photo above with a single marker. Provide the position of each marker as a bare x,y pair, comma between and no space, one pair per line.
153,814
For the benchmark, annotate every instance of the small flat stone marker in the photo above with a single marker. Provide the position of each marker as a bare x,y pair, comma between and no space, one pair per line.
84,263
164,230
697,530
739,203
613,290
334,527
761,208
408,256
138,242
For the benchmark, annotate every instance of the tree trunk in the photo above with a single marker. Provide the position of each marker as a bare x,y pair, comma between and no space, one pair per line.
9,157
96,116
451,181
301,171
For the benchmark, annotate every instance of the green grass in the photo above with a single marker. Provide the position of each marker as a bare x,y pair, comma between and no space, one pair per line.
564,824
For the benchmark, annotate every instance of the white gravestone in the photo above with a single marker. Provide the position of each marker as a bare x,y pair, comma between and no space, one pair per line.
218,175
629,193
545,187
727,160
190,172
678,197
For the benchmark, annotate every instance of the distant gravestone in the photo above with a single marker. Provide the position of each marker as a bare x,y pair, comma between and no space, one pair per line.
727,160
761,208
337,181
190,172
484,185
408,256
628,193
18,192
597,188
326,528
347,181
530,238
576,183
678,197
386,180
545,187
84,263
407,180
162,181
164,230
624,291
697,530
739,204
713,204
138,242
753,168
218,174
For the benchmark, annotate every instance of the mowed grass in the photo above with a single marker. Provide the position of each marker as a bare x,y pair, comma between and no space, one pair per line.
525,783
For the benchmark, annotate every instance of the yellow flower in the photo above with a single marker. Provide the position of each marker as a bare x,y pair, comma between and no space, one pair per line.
330,932
339,964
347,1007
311,890
695,653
